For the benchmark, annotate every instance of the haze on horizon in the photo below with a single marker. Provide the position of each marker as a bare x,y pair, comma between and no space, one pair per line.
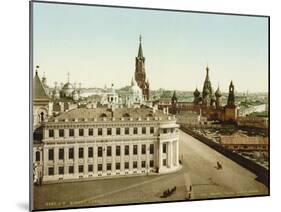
98,46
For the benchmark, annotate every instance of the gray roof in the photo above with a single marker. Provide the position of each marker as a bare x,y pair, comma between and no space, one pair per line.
99,113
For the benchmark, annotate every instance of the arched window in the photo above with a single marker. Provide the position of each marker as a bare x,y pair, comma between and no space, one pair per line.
103,115
126,115
42,117
149,115
37,156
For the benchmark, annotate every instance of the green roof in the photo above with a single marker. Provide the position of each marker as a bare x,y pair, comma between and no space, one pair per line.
39,92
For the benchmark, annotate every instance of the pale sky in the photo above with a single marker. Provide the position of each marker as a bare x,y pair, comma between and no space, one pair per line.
98,46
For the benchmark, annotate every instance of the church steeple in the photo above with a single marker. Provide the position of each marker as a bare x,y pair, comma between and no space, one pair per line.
140,53
140,75
207,89
231,96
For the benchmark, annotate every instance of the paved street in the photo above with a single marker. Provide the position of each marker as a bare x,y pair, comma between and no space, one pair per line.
199,170
209,182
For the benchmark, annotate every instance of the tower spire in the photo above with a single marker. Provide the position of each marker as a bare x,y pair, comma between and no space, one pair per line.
140,53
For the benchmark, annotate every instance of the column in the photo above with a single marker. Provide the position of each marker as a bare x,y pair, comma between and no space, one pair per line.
95,149
65,160
85,159
147,151
177,152
139,156
131,156
103,157
171,156
76,133
86,132
160,155
76,159
66,133
56,159
46,133
122,165
56,133
45,161
113,155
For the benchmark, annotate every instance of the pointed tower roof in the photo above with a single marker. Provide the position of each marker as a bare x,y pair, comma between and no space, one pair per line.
196,92
218,92
39,91
140,53
207,88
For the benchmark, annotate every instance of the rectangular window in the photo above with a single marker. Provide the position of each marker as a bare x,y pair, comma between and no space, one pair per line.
51,154
135,164
37,156
100,151
91,131
108,151
151,163
143,149
81,152
81,132
117,166
61,154
108,167
90,152
51,171
90,168
135,130
61,170
126,165
151,148
127,131
117,150
143,164
151,130
71,153
164,162
71,132
51,133
99,167
164,148
135,149
165,131
118,131
81,168
71,169
143,130
109,131
61,132
126,149
99,131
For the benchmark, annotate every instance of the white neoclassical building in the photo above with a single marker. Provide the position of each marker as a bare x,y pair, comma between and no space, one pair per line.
97,143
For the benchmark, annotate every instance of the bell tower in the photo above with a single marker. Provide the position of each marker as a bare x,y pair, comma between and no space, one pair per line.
140,75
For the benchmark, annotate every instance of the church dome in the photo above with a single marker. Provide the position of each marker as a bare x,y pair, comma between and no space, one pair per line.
67,89
196,93
218,93
67,85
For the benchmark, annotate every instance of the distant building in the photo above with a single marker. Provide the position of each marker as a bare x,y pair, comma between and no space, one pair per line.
96,143
42,104
243,143
208,104
140,75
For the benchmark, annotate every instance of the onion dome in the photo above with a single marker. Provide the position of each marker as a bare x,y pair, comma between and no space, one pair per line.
218,92
196,93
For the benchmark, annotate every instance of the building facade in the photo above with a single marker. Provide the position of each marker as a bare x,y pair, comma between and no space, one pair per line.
96,143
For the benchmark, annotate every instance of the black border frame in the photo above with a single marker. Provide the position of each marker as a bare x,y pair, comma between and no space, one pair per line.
138,8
